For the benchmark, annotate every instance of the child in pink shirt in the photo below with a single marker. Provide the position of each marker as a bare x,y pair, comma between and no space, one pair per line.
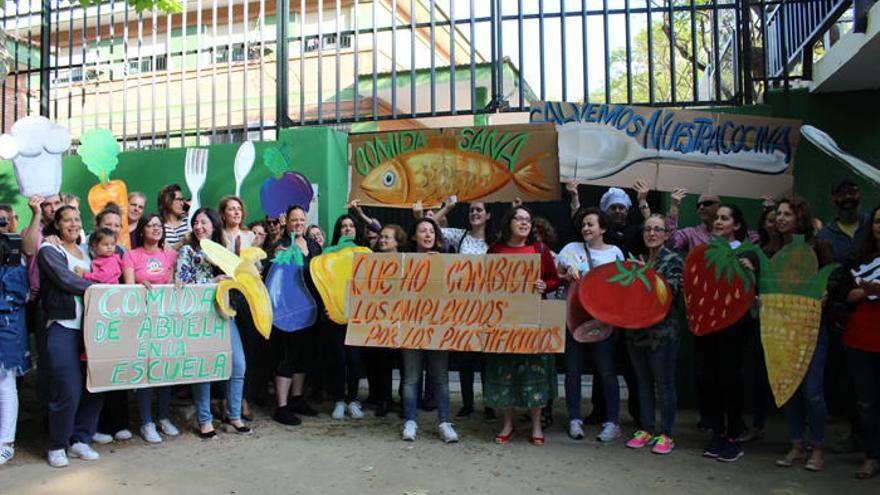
106,263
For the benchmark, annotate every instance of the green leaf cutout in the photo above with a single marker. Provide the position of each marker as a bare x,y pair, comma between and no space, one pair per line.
99,150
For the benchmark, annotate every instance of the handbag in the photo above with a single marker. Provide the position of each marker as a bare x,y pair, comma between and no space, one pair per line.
583,327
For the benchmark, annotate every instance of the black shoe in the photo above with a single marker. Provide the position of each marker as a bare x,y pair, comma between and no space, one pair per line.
731,452
713,450
285,416
300,406
383,408
488,413
464,412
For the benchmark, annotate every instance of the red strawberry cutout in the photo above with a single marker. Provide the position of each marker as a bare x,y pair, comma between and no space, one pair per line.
718,290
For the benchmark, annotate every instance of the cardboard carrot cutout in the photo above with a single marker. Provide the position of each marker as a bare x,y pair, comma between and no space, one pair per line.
245,279
285,187
718,291
99,151
626,294
791,289
293,307
331,272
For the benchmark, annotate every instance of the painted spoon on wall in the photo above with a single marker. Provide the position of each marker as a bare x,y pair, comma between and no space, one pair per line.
244,162
827,144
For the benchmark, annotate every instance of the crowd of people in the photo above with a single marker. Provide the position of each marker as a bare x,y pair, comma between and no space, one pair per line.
43,296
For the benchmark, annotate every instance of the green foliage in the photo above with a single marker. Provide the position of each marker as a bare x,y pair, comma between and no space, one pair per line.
166,6
99,150
275,159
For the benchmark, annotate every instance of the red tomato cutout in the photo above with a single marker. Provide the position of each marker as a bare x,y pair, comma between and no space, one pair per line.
626,294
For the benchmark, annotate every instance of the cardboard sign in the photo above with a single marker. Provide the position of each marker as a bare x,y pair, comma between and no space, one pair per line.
498,163
137,339
713,153
484,303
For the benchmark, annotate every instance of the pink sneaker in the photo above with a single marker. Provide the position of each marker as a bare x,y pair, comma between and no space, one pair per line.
639,440
663,445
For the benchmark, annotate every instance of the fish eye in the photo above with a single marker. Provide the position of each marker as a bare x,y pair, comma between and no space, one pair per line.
388,179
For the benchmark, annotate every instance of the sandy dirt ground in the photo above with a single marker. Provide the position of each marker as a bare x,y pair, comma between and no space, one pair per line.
325,456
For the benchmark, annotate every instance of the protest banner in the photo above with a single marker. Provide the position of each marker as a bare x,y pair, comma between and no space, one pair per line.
705,152
498,163
482,303
136,338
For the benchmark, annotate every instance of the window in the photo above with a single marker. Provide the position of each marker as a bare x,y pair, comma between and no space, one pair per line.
146,64
253,52
312,43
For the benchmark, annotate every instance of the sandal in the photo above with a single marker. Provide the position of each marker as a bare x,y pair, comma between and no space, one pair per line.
501,439
869,469
243,429
794,456
205,435
537,440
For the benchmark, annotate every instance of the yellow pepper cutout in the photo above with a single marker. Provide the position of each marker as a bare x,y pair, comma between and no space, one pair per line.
245,279
331,272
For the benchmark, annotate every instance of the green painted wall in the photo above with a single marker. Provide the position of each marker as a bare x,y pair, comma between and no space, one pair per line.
317,152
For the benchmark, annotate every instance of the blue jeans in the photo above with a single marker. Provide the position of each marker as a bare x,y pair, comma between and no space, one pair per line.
144,398
603,360
656,369
73,410
808,402
234,386
864,367
438,370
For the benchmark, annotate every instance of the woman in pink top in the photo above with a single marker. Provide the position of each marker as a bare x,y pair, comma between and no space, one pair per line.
149,263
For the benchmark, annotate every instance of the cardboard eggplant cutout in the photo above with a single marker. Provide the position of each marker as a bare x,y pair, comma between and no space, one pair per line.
293,307
245,279
718,291
99,152
582,326
285,187
791,287
331,272
35,146
625,294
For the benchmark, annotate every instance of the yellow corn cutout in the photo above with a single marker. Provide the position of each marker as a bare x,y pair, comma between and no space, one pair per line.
789,331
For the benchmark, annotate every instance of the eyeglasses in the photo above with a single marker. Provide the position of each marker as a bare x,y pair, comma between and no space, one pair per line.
522,219
656,230
180,199
706,204
272,221
154,226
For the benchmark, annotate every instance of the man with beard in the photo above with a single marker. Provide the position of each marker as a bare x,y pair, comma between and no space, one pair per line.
844,233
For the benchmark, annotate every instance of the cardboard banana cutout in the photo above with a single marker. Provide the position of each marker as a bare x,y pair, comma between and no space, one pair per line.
245,279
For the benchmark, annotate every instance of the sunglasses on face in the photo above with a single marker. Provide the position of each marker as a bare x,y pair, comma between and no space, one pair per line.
706,204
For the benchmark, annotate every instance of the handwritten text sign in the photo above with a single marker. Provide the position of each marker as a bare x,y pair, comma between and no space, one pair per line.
482,303
136,338
706,152
498,163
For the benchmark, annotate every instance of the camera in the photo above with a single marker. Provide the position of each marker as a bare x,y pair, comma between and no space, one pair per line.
10,249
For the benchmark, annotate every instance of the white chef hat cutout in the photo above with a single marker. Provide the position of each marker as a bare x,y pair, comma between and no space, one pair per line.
35,146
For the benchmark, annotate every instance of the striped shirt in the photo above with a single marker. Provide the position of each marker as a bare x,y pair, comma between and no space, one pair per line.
173,235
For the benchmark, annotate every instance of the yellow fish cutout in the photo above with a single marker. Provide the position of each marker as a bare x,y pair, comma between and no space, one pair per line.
245,279
432,175
331,272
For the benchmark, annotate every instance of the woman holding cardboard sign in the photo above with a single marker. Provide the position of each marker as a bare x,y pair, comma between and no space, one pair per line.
522,380
150,263
73,411
193,267
425,237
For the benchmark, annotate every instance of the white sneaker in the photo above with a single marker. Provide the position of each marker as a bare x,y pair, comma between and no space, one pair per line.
338,411
102,438
166,427
576,429
58,458
6,453
84,451
123,434
609,433
355,410
447,433
149,433
409,431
